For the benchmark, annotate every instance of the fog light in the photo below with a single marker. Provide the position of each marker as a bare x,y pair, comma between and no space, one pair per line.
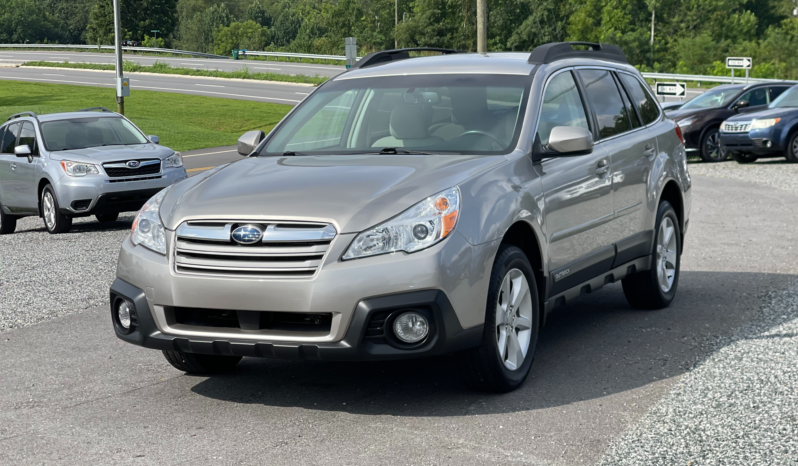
123,313
411,327
768,144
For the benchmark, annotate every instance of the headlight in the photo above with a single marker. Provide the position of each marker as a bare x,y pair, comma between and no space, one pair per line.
79,168
760,124
419,227
174,161
147,227
685,123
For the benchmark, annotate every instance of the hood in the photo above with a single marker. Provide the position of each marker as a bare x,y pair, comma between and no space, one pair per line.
769,113
351,192
680,114
114,153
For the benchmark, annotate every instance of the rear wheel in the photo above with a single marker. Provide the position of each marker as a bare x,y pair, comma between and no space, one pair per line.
655,288
8,223
711,150
502,361
54,220
743,157
201,363
107,218
791,153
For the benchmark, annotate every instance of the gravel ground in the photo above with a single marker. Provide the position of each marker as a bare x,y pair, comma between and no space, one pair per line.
53,275
776,173
739,406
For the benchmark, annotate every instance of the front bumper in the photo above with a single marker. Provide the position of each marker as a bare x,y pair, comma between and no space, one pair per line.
742,142
448,281
97,195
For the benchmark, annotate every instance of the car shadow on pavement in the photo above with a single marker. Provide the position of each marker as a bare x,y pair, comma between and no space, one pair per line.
595,347
79,225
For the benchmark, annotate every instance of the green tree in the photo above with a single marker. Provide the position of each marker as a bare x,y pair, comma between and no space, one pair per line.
23,21
248,35
100,30
142,16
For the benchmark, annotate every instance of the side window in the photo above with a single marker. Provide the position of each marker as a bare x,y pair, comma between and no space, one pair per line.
9,139
562,106
646,105
27,136
630,110
603,94
776,91
755,97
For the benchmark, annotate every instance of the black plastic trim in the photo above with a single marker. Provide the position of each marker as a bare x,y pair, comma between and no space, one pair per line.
386,56
549,53
637,245
581,270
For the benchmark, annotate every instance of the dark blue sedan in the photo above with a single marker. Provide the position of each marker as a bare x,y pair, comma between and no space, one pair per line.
768,133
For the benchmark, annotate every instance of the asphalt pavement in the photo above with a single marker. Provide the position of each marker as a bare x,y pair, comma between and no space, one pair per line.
74,394
270,66
261,91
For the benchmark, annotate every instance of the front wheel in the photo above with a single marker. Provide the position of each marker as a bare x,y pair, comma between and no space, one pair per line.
791,153
54,220
655,288
201,363
742,157
711,150
502,361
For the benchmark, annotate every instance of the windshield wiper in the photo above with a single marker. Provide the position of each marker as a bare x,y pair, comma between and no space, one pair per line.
289,153
394,151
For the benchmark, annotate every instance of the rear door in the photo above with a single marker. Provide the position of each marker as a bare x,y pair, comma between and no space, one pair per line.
8,140
577,191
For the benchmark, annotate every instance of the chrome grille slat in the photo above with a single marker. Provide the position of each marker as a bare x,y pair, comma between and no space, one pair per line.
737,127
286,250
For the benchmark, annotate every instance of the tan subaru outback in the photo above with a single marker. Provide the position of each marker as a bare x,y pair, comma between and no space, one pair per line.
413,207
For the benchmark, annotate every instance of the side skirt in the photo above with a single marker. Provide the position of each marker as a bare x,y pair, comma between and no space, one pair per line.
617,273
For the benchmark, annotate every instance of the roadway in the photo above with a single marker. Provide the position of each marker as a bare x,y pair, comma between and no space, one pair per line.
262,91
310,69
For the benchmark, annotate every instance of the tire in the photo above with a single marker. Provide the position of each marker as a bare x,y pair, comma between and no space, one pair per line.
8,223
791,152
107,218
487,368
653,289
201,363
742,157
54,220
711,150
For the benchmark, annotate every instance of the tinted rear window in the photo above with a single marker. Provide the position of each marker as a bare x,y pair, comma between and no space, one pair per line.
648,108
603,94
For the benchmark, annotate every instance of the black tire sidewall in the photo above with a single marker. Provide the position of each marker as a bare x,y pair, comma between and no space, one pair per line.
511,257
49,189
704,156
667,210
791,156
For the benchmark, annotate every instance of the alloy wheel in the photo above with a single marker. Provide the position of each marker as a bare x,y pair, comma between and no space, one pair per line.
795,147
666,254
714,150
49,210
514,319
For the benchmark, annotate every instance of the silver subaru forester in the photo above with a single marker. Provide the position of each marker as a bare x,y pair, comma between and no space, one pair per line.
65,165
412,207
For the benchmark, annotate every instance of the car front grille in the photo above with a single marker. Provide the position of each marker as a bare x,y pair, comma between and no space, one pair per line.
145,167
286,249
736,127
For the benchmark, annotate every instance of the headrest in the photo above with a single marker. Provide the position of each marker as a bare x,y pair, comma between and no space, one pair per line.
410,121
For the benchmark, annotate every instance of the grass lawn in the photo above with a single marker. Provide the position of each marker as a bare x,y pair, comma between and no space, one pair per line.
183,122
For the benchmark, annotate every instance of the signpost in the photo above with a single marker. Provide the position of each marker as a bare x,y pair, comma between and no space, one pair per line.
671,90
122,84
156,31
351,51
739,63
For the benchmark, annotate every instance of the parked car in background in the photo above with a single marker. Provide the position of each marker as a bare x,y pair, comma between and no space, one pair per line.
701,117
413,207
66,165
768,133
671,106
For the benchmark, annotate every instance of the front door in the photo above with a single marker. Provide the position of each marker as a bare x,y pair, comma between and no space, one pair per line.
24,193
577,192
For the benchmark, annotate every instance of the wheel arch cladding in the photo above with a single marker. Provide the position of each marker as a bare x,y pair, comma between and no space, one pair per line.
672,194
522,235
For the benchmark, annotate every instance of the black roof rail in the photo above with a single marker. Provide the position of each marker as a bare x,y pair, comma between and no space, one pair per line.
22,114
385,56
549,53
103,109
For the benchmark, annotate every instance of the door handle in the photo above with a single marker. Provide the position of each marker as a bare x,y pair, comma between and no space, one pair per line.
602,167
649,150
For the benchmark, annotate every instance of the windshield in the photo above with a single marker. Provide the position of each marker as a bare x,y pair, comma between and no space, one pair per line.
788,99
463,114
713,99
81,133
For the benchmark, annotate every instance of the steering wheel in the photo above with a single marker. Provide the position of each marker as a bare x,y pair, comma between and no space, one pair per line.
483,133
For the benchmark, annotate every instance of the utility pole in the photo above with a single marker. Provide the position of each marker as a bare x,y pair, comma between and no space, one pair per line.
395,23
120,99
482,26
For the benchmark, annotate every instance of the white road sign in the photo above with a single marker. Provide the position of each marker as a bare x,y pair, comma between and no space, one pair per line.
672,89
742,63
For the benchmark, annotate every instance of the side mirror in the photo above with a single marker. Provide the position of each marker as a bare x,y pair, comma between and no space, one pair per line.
742,104
570,140
154,139
249,141
22,151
